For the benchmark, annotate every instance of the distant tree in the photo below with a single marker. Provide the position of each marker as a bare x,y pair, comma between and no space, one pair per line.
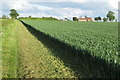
100,18
43,17
97,18
13,14
105,19
66,19
110,15
30,16
4,17
75,19
47,18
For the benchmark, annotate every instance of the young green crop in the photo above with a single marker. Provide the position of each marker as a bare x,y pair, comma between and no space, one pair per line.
100,39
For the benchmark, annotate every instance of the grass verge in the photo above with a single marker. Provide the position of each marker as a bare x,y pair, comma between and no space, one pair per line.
9,49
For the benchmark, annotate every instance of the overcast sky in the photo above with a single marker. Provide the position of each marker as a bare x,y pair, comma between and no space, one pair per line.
60,8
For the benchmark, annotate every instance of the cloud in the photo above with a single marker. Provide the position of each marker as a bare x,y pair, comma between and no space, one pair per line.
20,4
70,12
45,0
57,12
114,3
60,8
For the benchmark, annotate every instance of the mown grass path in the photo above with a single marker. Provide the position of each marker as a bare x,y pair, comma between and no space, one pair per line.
9,49
37,61
0,48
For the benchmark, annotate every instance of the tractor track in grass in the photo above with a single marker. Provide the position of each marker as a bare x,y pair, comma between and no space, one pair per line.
36,60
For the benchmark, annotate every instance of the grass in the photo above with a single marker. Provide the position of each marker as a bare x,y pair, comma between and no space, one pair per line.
0,48
9,49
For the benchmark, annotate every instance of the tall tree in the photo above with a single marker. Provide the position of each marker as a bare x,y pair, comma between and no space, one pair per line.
110,15
13,14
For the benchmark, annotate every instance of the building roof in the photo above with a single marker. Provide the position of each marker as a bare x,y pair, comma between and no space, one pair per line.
84,18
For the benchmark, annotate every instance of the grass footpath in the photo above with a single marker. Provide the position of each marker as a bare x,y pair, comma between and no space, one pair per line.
9,49
36,60
0,48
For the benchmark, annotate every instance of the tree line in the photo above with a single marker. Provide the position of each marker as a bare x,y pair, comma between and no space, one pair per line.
109,17
14,15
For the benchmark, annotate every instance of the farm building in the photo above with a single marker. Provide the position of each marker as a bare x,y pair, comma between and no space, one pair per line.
85,19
